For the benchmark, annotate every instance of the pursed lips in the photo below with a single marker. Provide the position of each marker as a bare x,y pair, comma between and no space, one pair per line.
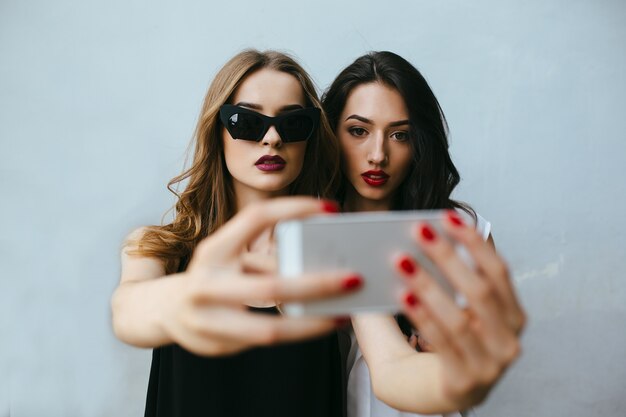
269,163
375,178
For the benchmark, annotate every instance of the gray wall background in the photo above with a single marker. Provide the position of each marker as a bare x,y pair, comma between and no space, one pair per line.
98,101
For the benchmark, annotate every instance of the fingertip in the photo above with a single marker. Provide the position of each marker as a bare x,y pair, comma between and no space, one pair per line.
427,233
330,206
410,300
352,282
424,233
342,322
406,266
454,219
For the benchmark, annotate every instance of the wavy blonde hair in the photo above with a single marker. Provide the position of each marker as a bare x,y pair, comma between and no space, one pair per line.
208,200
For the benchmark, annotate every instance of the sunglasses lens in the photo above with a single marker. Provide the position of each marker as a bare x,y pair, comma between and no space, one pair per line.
296,128
245,126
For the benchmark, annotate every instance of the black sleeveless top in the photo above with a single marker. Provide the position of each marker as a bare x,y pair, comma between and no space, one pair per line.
297,379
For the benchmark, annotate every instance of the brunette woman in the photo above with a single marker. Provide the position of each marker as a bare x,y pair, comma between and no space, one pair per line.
393,137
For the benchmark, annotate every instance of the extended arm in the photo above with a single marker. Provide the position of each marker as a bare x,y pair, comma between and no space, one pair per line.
473,345
401,377
204,308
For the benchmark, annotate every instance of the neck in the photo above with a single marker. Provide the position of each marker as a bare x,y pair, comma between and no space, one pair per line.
355,202
263,244
245,195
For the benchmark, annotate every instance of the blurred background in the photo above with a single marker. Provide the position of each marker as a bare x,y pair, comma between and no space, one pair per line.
98,101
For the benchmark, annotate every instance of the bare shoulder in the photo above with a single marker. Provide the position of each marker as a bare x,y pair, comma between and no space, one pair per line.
137,267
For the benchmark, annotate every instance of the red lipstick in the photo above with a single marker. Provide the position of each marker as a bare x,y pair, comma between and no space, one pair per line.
270,163
376,178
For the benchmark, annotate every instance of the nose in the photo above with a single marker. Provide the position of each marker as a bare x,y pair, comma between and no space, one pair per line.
377,153
272,138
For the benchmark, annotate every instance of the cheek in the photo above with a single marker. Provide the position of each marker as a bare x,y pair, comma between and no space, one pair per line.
236,152
227,145
297,152
230,151
349,155
404,157
300,150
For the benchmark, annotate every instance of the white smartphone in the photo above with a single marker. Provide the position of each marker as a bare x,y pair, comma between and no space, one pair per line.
365,243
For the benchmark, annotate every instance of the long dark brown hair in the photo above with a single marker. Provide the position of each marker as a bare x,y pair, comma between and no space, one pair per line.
208,200
432,176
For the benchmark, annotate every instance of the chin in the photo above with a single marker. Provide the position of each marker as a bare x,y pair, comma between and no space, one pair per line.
273,186
370,194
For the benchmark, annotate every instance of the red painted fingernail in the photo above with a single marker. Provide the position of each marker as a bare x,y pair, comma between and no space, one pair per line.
342,321
407,265
454,218
330,206
427,233
411,300
352,282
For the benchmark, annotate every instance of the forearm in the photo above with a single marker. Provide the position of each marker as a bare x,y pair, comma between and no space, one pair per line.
138,311
414,384
401,377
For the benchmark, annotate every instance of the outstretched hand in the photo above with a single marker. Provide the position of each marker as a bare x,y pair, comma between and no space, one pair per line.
210,315
476,342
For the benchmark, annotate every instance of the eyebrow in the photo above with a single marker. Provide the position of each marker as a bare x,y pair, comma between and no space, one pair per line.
368,121
259,107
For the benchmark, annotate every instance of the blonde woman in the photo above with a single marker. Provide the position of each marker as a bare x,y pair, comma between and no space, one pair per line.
193,289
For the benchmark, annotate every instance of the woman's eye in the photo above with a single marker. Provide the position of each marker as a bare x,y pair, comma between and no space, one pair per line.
400,136
357,131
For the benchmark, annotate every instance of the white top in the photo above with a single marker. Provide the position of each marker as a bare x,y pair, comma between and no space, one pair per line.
361,399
